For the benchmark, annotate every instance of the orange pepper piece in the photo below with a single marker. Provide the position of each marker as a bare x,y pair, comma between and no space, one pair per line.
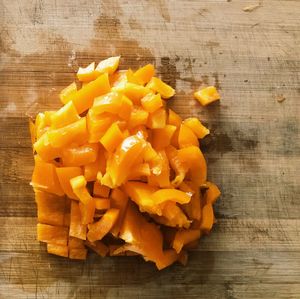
64,116
207,95
88,73
52,234
145,73
87,211
161,138
83,99
45,150
196,126
112,138
51,208
66,94
108,65
138,117
75,132
78,156
100,190
174,119
44,177
151,102
196,163
65,174
212,193
77,229
157,119
186,137
102,227
183,237
119,200
207,220
157,85
60,250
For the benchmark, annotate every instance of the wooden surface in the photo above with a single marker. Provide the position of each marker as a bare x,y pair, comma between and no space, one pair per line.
253,152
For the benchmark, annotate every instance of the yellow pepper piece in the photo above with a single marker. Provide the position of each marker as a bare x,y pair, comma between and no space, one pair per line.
51,208
110,102
112,138
79,188
161,87
64,116
44,178
88,73
118,169
161,138
134,92
208,218
174,119
138,117
83,99
184,237
207,95
108,65
176,164
212,193
196,126
157,119
151,102
175,195
65,174
98,124
186,137
141,170
145,73
102,227
75,132
79,156
77,229
126,108
119,200
194,159
66,94
162,177
60,250
52,234
45,150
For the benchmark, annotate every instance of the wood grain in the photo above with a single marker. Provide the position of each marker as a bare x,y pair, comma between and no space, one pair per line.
253,152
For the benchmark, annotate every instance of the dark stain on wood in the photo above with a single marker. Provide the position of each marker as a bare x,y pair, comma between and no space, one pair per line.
168,71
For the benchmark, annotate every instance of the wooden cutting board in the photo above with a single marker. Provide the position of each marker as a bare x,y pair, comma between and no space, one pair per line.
253,152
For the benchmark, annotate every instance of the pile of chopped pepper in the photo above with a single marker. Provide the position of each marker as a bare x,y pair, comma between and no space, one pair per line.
118,172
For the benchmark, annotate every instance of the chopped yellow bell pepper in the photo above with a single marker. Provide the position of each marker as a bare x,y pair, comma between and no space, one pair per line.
108,65
64,116
194,159
151,102
80,155
67,93
196,126
186,137
75,132
65,174
207,95
112,138
138,117
102,227
88,73
161,138
83,99
157,85
157,119
145,73
44,178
